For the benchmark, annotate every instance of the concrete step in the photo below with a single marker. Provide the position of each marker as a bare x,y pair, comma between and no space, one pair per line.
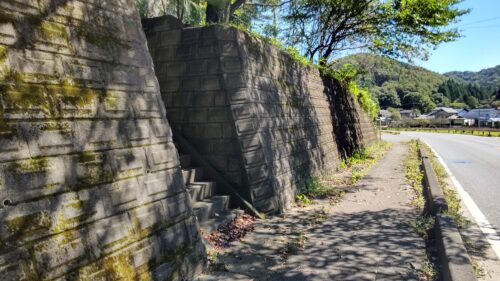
201,190
211,207
192,175
185,160
221,218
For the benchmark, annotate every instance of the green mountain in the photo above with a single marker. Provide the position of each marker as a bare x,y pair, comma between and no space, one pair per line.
398,84
489,77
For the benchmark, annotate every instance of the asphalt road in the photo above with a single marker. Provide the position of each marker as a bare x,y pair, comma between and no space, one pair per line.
475,163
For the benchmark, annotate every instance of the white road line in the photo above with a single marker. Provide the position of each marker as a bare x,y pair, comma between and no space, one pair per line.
479,217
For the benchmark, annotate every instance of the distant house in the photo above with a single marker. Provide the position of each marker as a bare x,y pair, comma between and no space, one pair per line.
443,112
424,116
461,112
384,116
409,113
482,115
494,122
385,113
456,120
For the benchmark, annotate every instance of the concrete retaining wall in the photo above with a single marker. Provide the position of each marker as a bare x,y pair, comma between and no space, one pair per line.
262,119
90,185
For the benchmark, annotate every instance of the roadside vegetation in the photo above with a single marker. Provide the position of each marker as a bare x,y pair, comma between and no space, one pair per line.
451,196
454,211
424,224
330,185
414,174
462,131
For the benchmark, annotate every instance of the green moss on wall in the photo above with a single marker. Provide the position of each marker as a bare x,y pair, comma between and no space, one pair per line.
24,225
52,31
3,54
22,96
32,165
100,37
87,156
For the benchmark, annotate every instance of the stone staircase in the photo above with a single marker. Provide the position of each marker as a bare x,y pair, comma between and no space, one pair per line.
211,208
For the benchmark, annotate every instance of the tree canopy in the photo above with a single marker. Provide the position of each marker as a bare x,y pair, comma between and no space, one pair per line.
322,29
399,28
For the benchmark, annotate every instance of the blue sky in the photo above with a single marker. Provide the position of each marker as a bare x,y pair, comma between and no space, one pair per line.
480,45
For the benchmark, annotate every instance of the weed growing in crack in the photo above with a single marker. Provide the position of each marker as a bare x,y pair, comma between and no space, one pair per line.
423,225
414,175
297,244
213,257
428,272
478,269
302,200
450,195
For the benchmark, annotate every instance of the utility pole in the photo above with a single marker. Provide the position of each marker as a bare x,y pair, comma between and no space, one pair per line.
379,126
479,119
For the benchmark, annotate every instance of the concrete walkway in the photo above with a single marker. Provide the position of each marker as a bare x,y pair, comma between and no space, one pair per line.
364,237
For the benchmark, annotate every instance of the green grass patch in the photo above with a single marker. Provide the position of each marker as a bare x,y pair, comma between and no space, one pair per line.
414,175
351,170
467,131
423,225
302,200
362,160
450,195
428,271
296,244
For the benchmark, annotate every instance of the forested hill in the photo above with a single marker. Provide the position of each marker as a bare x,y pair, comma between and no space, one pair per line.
489,77
398,84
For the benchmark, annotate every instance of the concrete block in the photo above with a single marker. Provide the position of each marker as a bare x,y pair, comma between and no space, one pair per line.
173,237
218,114
190,35
121,195
197,115
207,50
170,37
212,66
127,163
245,127
231,64
210,84
204,99
229,49
155,188
13,144
147,219
161,157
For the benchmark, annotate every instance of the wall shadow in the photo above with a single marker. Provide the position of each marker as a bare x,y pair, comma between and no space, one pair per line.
344,247
344,117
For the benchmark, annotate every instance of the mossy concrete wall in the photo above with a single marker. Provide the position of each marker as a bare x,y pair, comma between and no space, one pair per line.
259,117
90,184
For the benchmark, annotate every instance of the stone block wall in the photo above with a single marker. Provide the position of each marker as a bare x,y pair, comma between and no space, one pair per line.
90,185
262,119
191,68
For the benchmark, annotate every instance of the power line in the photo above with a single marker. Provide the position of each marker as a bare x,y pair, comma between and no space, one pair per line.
479,21
484,26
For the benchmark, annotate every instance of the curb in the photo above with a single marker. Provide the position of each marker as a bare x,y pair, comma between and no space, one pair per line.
433,193
453,257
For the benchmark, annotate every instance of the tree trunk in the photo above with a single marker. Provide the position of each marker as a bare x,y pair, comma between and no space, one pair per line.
218,14
212,14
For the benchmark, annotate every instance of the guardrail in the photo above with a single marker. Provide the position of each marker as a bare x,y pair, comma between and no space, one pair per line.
453,257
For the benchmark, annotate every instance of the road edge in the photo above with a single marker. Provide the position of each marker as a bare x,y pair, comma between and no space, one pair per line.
484,225
453,257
